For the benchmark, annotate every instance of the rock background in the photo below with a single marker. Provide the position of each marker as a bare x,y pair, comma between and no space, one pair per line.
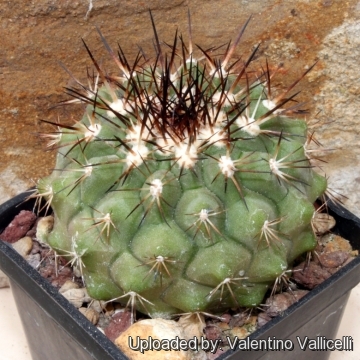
36,35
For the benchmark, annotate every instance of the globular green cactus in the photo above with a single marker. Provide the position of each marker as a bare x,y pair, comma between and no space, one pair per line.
186,186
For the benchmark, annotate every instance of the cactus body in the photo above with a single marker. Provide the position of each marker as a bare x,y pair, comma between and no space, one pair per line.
185,186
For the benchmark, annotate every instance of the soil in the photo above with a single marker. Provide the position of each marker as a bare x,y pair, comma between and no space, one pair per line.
331,253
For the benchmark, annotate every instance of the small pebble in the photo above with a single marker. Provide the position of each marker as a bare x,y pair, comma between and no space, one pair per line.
322,223
240,332
333,259
335,242
238,319
212,332
98,305
90,314
76,296
68,285
278,303
193,325
58,279
44,227
36,247
156,329
34,260
23,246
18,228
223,326
226,318
119,322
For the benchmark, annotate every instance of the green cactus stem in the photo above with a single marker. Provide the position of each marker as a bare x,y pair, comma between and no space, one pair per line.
186,186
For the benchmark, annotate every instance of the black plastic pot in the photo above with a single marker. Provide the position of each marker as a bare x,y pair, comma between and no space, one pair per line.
66,334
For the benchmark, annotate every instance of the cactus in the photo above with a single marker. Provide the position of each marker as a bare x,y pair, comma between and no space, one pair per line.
187,186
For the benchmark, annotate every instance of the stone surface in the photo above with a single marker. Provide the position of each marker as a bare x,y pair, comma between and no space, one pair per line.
156,329
338,104
36,36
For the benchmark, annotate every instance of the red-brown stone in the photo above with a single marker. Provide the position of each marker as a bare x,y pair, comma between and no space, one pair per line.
18,228
118,324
